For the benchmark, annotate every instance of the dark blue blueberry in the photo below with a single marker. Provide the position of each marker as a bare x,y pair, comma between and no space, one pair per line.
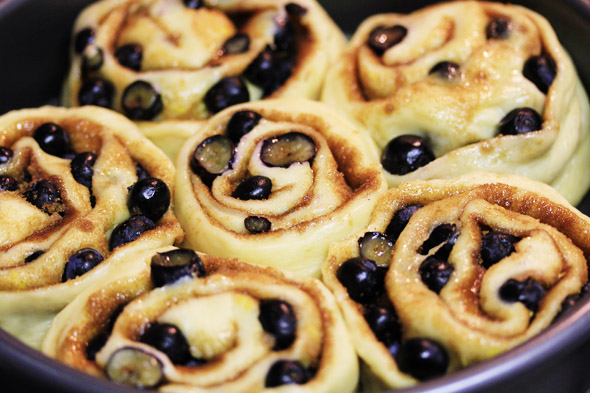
212,157
382,38
422,358
81,263
141,101
253,188
529,292
442,233
6,154
130,230
278,318
384,324
82,168
240,124
83,38
238,43
362,280
34,256
167,338
43,195
169,267
400,220
285,372
446,70
140,172
92,59
256,224
270,70
225,93
149,197
7,183
540,70
376,247
195,4
435,273
130,56
520,121
96,91
194,362
52,139
284,39
495,246
405,154
294,9
500,28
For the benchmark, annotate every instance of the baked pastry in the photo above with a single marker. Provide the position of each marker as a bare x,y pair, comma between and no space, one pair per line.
275,182
452,272
70,180
465,86
157,60
182,322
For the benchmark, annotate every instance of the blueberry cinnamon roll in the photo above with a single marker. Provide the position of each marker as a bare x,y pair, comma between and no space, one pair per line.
275,182
157,60
450,273
177,321
80,188
465,86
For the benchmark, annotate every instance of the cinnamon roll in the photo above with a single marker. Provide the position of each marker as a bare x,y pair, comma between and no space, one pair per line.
465,86
177,321
81,188
453,272
275,182
157,60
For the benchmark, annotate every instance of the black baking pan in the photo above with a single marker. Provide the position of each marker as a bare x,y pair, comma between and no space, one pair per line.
34,39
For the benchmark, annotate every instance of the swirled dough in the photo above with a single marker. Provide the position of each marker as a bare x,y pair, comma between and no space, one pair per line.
469,317
37,242
311,204
219,314
458,114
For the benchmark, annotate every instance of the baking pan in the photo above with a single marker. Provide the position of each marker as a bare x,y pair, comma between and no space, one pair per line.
34,38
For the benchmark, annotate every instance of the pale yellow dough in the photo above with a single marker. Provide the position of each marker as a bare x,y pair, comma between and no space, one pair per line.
394,95
218,314
182,52
468,317
310,206
32,292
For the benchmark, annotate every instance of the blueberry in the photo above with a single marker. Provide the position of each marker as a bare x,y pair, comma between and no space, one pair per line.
405,154
442,233
43,195
446,70
34,256
7,183
256,224
195,4
6,154
270,70
400,220
212,157
52,139
149,197
295,9
141,101
238,43
382,38
82,168
278,318
241,123
130,230
422,358
96,91
495,246
225,93
167,338
362,280
529,292
384,324
134,367
83,38
253,188
81,263
140,171
130,56
284,38
520,121
285,372
92,58
435,273
540,70
500,28
286,149
168,267
376,247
